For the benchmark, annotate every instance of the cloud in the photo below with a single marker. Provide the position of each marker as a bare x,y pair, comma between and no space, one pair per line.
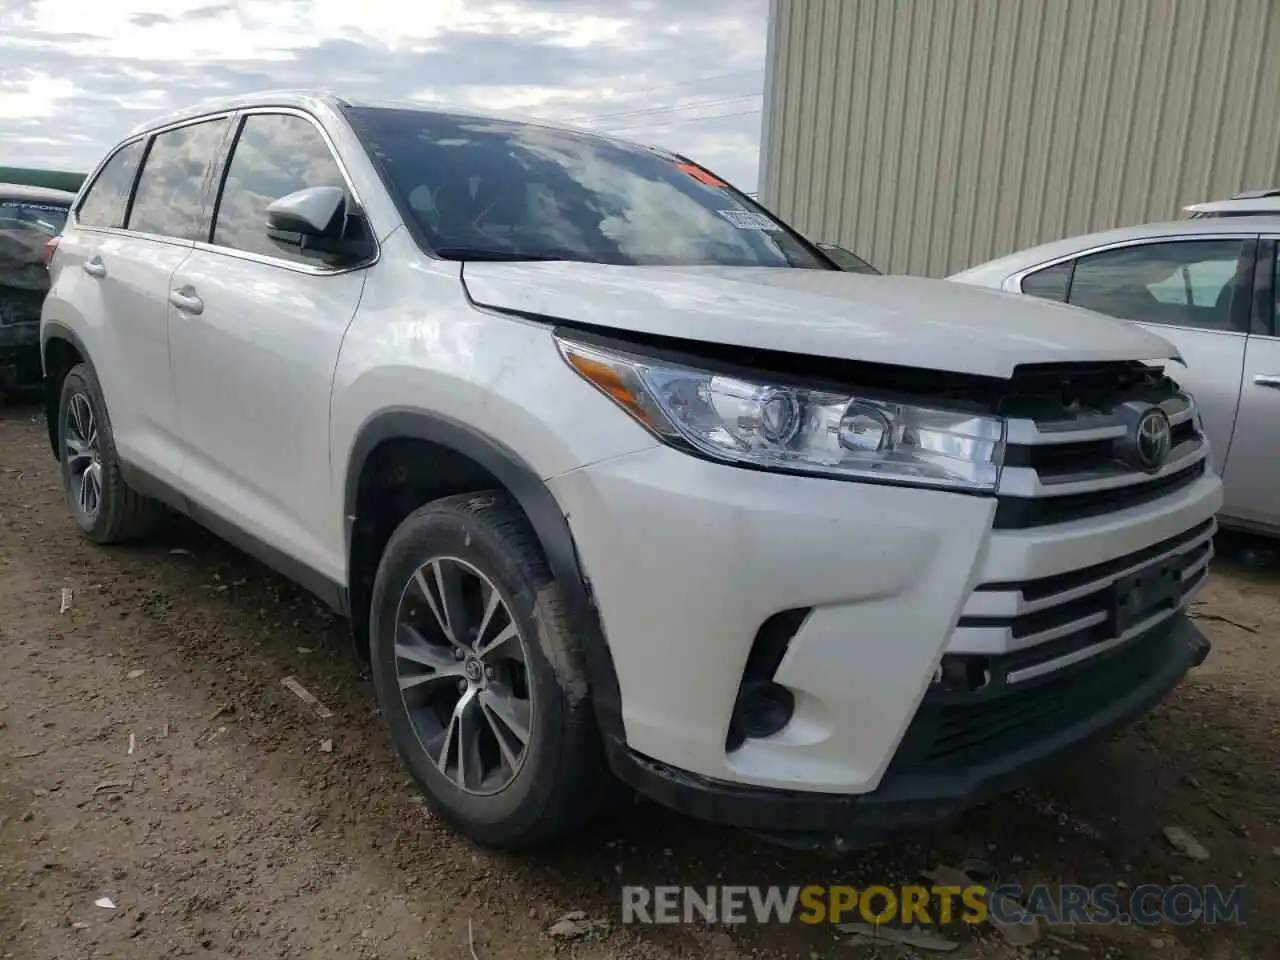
685,75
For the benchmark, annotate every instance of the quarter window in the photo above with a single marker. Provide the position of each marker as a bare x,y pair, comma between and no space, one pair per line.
107,201
1049,283
274,156
175,176
1186,283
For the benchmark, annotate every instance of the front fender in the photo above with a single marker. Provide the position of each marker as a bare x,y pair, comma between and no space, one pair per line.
540,506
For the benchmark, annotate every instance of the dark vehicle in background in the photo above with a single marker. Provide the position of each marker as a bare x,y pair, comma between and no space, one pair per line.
29,218
846,260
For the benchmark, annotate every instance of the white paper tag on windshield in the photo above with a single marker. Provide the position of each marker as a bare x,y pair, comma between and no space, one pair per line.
746,220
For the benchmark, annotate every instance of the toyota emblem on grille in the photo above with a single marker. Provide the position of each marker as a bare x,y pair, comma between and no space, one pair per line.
1152,438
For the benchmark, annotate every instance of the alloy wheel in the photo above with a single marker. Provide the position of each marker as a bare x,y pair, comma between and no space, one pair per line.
462,669
82,456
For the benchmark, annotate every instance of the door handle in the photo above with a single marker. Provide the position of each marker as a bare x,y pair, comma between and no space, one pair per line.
94,267
1267,380
186,300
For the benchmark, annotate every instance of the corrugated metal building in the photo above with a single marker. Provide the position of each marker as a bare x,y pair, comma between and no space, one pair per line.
930,135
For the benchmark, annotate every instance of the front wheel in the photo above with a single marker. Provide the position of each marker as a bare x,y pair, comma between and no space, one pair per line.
479,676
106,508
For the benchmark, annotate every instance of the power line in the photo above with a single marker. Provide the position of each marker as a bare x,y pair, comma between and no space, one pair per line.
667,86
674,108
670,123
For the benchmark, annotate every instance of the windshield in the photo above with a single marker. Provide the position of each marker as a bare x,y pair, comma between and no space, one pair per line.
499,189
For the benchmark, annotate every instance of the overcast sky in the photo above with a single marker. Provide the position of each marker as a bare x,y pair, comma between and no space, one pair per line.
75,75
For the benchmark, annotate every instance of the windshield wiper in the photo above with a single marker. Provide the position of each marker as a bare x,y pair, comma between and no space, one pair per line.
470,253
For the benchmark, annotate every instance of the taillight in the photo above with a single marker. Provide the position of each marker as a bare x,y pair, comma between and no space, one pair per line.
50,247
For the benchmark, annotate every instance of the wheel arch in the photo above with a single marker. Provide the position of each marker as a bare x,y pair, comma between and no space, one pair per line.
60,349
550,525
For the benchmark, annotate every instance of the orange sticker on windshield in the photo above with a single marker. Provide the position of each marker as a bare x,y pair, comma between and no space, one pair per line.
701,175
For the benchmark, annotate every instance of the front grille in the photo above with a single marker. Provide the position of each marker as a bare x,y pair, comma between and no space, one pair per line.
1010,633
1014,513
1069,454
1064,460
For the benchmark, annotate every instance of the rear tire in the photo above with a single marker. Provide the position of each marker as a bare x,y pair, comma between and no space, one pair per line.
479,674
105,507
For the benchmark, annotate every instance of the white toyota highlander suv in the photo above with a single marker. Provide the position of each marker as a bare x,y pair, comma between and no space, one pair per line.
619,478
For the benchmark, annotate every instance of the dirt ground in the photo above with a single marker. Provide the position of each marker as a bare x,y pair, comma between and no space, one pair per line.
149,754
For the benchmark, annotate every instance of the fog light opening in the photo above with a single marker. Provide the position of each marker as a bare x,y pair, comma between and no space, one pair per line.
762,710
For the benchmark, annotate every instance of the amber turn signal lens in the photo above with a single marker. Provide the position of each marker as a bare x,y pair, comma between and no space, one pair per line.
608,381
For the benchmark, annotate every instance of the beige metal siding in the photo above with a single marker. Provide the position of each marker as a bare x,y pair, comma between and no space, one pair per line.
930,135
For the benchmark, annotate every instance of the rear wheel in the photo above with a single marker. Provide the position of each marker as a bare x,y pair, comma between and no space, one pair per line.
107,509
478,675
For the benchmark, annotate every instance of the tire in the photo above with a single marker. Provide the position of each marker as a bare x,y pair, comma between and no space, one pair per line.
119,513
561,780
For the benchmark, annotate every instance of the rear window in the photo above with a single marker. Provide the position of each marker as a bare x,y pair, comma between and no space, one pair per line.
24,228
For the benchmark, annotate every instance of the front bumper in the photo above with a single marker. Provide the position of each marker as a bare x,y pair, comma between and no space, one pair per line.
892,594
1028,731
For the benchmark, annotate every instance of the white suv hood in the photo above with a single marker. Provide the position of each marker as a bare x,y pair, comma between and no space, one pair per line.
904,321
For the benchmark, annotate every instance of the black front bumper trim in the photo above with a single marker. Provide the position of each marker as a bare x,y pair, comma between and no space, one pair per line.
908,798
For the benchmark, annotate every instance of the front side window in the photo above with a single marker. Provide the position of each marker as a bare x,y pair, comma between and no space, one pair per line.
476,187
107,201
1186,283
275,155
171,190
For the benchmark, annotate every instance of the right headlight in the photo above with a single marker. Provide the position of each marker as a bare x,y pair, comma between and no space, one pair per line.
779,426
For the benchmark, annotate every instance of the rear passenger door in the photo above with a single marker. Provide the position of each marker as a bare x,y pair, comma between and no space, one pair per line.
1195,292
255,328
134,227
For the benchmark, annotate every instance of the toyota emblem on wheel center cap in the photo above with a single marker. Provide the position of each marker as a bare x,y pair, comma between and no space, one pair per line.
1152,439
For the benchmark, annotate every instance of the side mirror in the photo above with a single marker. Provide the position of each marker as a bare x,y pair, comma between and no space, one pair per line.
313,212
320,220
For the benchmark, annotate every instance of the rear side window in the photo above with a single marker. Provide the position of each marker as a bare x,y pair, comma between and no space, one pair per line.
175,177
1188,283
1049,283
274,156
108,199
